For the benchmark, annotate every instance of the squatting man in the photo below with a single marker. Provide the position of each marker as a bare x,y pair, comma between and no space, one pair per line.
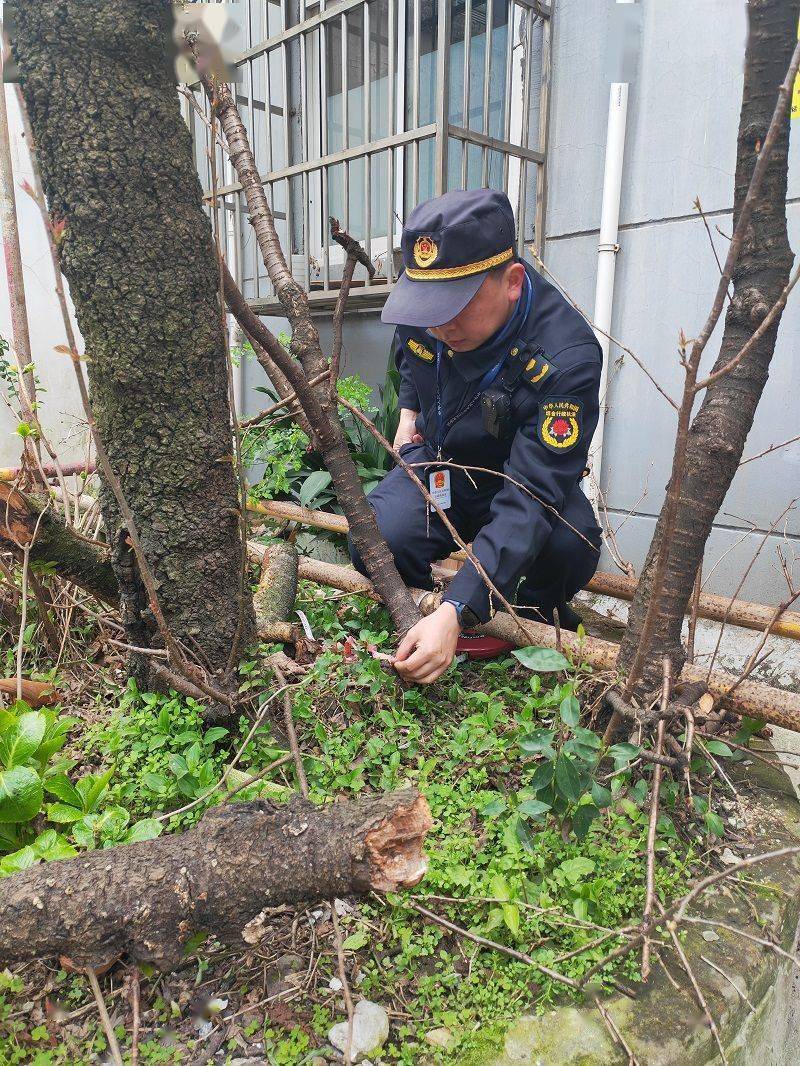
497,371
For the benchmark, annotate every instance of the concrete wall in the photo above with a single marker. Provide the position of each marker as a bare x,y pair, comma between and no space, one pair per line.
683,116
681,143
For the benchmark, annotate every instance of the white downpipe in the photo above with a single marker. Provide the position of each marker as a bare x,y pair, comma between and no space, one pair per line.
607,260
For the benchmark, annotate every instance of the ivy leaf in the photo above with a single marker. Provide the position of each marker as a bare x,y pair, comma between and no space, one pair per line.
570,711
542,660
21,794
567,780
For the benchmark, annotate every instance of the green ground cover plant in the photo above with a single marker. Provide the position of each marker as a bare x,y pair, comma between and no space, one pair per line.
538,839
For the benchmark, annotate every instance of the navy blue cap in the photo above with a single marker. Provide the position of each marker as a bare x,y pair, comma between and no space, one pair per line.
448,245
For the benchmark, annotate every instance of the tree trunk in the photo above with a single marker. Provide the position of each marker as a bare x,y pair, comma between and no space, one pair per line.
718,433
319,408
146,900
117,168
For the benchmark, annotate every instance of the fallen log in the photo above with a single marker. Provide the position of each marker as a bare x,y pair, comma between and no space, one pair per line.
716,608
751,698
275,596
26,521
145,900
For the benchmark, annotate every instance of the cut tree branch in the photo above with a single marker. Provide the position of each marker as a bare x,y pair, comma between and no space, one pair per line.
147,899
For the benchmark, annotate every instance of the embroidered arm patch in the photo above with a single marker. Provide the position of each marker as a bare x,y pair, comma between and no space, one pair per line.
560,422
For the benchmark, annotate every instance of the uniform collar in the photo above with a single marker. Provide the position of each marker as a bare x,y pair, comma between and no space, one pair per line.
473,365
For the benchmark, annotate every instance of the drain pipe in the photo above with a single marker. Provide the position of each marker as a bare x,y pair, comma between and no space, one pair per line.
607,249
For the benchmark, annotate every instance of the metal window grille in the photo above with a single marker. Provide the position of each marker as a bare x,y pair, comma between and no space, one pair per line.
355,111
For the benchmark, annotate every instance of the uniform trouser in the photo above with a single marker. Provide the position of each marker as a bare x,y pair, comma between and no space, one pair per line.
564,565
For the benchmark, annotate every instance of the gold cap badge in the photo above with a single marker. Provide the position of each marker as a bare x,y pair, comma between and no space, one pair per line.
425,251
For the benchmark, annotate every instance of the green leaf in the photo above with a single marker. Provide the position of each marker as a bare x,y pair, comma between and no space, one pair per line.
524,836
92,787
714,823
533,809
493,808
22,739
587,738
511,917
576,869
356,940
542,776
144,829
600,794
542,660
216,732
537,740
313,486
155,782
582,819
21,794
17,861
63,813
61,786
717,747
622,753
498,888
568,782
570,711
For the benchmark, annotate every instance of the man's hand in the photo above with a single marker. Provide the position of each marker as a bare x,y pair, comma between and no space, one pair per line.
428,648
407,429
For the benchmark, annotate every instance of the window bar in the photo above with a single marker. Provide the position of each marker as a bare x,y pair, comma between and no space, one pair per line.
367,139
287,149
523,163
443,95
465,105
513,11
389,264
304,119
323,140
345,126
544,112
487,79
415,107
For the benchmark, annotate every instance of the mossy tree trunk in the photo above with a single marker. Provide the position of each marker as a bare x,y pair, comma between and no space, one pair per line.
137,251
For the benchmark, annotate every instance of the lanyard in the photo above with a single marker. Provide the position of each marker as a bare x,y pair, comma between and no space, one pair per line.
512,326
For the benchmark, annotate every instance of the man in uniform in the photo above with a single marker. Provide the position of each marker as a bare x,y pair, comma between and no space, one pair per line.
498,371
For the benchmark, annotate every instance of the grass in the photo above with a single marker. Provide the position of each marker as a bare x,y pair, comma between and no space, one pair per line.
540,890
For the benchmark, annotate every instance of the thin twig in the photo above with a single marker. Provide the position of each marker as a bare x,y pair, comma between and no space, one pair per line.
491,944
772,448
693,615
701,999
348,998
616,1035
653,822
291,732
135,1011
729,979
108,1028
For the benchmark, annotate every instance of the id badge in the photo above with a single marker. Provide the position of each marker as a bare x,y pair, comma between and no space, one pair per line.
439,487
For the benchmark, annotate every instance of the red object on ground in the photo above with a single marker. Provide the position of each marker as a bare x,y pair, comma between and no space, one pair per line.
479,647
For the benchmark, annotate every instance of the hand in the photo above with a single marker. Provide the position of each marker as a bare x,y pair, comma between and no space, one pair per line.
407,429
428,648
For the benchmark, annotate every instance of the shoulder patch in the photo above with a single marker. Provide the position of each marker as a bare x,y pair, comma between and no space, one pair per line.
419,350
537,369
560,423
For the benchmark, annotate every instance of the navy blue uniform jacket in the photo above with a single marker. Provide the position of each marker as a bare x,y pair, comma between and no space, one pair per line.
553,420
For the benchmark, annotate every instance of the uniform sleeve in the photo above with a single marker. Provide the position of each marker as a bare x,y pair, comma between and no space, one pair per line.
548,456
407,394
